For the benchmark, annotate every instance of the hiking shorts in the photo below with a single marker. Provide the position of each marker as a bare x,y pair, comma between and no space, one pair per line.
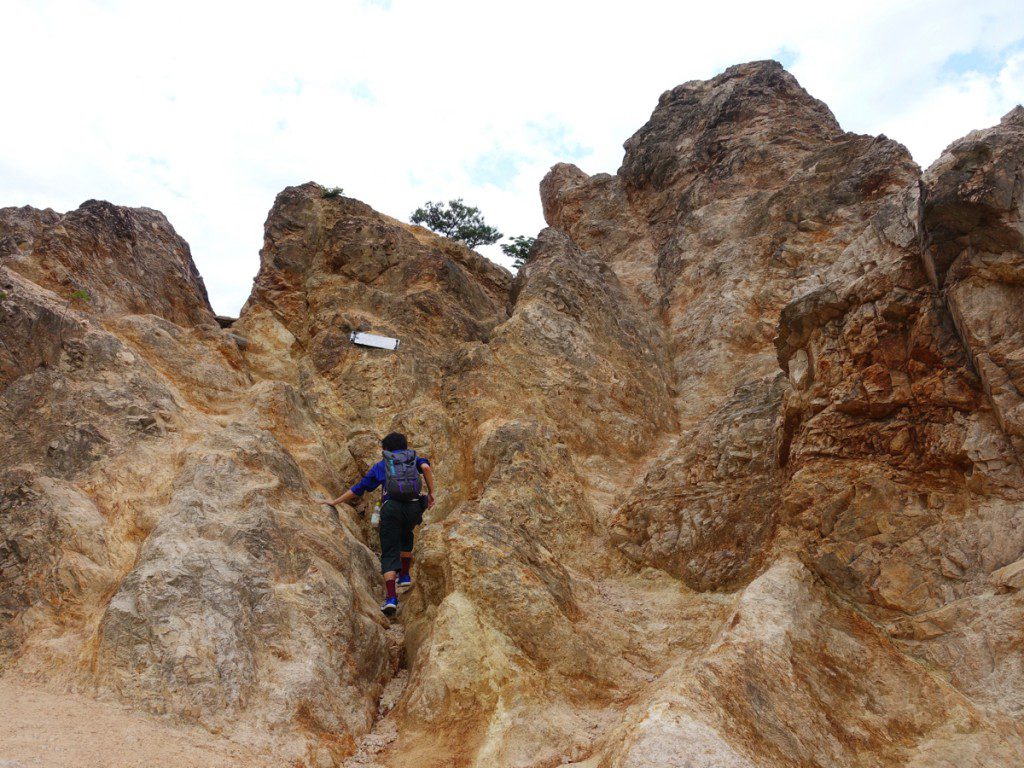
397,520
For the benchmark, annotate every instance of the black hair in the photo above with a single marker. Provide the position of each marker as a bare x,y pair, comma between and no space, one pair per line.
396,441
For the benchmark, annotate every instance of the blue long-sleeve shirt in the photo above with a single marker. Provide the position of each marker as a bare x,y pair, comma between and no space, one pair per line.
374,478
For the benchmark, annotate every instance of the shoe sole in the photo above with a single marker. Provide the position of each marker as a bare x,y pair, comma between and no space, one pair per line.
405,586
389,611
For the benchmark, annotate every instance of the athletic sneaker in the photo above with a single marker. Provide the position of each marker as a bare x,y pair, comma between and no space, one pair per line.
405,580
390,607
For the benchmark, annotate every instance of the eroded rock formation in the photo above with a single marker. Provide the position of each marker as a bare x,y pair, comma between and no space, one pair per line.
732,469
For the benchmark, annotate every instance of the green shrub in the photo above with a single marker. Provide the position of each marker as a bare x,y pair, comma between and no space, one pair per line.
333,192
457,221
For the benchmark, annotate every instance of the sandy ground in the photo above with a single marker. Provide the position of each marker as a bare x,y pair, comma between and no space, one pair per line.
41,728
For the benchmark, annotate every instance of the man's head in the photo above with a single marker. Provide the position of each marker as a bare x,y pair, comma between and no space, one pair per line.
396,441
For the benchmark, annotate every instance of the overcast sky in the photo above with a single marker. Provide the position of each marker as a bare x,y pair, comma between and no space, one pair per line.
205,110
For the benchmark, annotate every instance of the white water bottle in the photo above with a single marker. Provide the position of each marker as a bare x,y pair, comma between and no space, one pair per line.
375,517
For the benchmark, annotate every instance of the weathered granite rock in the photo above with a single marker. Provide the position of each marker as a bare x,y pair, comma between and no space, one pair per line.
905,486
734,197
158,544
974,252
740,194
333,265
1009,577
795,678
502,559
111,259
884,466
730,471
707,510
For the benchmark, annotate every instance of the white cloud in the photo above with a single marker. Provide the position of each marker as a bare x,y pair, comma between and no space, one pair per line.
951,109
206,110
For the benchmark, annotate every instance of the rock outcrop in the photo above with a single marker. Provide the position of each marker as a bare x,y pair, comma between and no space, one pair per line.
974,253
158,544
119,261
731,470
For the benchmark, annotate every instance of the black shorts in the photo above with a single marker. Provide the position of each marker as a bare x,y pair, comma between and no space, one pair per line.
397,520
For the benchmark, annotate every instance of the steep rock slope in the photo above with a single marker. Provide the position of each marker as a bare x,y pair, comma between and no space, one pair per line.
496,400
158,543
731,469
118,260
740,194
877,460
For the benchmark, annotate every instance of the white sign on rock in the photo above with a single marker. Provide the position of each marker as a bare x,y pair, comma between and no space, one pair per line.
373,340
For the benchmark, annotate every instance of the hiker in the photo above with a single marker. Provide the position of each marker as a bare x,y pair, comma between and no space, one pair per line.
402,507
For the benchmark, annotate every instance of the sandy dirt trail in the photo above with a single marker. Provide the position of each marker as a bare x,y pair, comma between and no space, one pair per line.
45,729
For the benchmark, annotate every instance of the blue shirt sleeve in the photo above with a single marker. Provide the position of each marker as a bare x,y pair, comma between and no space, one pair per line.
371,480
420,461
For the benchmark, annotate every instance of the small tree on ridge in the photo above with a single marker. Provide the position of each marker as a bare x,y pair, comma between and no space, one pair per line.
457,221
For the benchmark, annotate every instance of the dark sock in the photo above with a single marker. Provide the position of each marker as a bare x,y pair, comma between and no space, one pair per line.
390,586
406,565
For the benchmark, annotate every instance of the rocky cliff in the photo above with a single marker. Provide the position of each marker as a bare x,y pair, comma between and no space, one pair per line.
731,471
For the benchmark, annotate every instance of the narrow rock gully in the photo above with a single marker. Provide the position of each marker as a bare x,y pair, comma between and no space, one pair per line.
656,621
374,744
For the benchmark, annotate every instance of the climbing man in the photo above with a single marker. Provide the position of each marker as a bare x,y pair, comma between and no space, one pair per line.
401,510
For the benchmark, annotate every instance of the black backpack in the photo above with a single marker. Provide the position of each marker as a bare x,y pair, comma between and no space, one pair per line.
401,477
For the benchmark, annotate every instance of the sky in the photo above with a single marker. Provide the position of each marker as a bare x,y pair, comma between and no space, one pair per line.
206,110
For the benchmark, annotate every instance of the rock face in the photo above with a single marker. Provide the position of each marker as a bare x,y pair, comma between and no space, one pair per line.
158,544
118,260
731,470
974,254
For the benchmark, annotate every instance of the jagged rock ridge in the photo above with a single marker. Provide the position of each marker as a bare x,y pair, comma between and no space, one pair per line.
732,468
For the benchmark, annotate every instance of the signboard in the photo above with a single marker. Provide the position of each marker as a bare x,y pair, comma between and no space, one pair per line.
373,340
